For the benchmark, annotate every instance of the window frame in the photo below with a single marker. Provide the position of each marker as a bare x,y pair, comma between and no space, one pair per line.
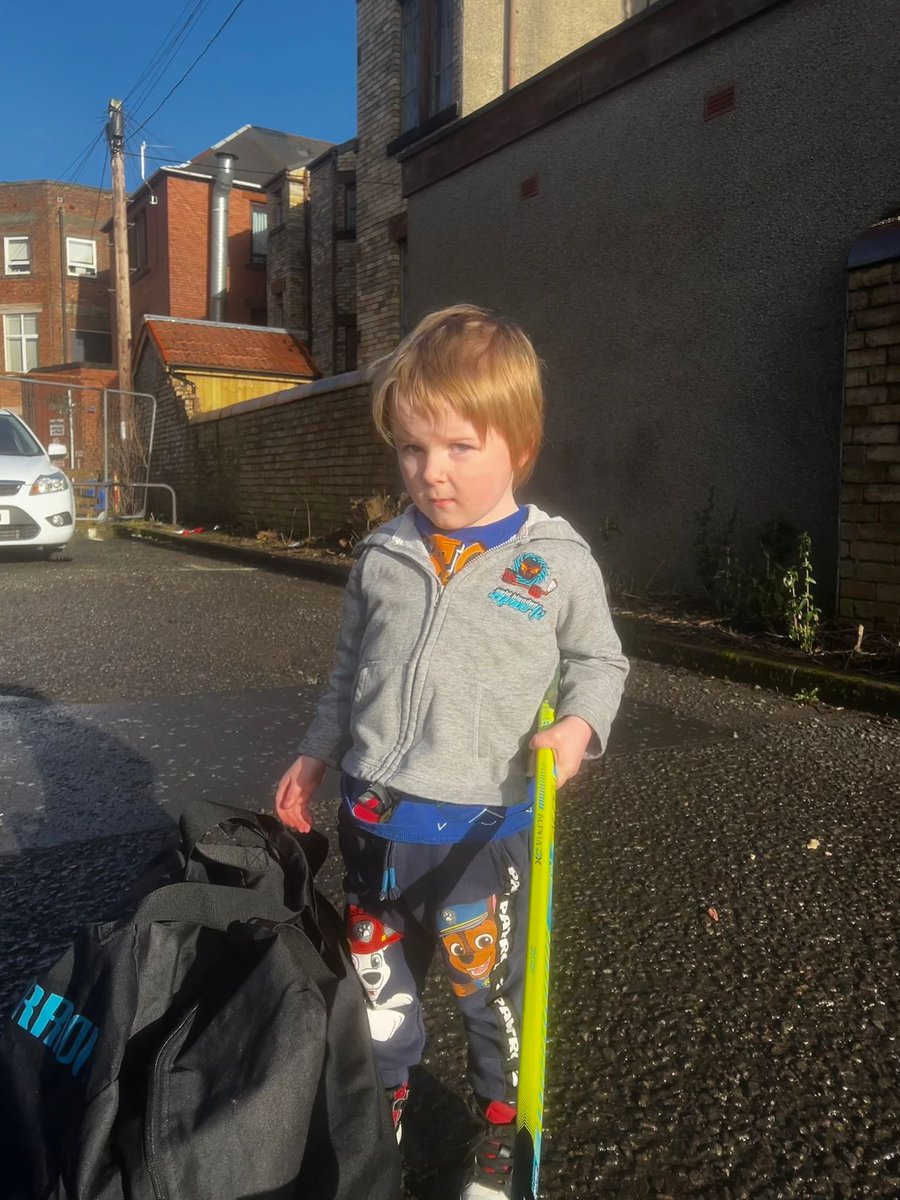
431,94
259,258
138,243
347,214
81,270
7,261
24,339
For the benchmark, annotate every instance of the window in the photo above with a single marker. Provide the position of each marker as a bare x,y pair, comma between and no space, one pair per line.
278,204
349,206
346,342
17,255
259,232
410,20
278,310
20,342
441,56
426,60
81,256
15,438
138,259
91,346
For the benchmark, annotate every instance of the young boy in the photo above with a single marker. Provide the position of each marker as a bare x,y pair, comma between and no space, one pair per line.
457,616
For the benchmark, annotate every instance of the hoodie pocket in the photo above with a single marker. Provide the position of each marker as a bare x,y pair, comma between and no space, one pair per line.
503,725
377,696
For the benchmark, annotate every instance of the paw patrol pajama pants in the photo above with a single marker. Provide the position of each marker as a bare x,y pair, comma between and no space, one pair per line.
469,900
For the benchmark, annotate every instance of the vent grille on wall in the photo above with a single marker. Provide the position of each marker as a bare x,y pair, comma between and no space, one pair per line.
529,187
718,103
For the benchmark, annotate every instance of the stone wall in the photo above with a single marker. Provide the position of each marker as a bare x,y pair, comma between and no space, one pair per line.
870,474
173,460
287,269
378,177
333,260
292,462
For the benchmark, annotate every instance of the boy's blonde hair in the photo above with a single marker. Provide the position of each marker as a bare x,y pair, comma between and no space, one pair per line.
481,365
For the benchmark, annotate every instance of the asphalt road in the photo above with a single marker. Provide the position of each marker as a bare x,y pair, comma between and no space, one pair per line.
725,991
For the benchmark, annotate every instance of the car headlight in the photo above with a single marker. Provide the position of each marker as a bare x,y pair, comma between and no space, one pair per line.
54,482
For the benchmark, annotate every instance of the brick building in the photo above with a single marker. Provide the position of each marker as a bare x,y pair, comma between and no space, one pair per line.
201,367
333,277
287,263
692,317
169,229
54,275
870,461
422,65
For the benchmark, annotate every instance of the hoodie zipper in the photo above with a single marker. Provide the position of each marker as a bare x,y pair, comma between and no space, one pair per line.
402,551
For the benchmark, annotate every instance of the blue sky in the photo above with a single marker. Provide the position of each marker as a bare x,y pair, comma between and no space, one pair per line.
285,65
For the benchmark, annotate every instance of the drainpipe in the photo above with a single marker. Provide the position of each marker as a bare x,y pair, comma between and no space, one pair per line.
63,291
218,235
509,44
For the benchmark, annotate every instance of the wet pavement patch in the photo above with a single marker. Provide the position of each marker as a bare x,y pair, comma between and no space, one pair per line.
75,771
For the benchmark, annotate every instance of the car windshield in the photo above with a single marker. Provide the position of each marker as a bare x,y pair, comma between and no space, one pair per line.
16,439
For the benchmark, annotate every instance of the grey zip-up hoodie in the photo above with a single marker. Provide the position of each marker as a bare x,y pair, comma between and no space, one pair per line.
436,689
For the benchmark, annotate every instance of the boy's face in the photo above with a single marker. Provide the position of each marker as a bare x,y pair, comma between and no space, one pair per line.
453,475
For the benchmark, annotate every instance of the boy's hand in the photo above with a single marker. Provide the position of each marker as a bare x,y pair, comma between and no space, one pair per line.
294,792
568,739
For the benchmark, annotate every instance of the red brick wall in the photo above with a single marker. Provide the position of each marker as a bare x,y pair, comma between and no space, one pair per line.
176,282
150,284
43,399
32,208
187,239
246,301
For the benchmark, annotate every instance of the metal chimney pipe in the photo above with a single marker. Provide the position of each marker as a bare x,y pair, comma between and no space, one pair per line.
218,235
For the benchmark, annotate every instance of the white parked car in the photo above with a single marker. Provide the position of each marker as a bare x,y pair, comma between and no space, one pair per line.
37,504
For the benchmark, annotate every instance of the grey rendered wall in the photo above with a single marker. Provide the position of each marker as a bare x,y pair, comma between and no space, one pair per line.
685,281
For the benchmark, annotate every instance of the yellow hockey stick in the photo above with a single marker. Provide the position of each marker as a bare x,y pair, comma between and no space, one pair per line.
533,1048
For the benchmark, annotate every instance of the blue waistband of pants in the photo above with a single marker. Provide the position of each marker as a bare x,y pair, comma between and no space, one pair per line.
397,817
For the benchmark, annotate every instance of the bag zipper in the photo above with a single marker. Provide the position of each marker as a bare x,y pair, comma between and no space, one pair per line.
154,1106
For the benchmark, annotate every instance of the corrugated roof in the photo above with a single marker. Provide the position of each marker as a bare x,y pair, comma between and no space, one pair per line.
252,349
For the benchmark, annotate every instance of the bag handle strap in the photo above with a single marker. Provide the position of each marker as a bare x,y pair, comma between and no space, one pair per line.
202,816
209,904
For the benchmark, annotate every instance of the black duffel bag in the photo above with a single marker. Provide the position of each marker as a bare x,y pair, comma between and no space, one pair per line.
209,1043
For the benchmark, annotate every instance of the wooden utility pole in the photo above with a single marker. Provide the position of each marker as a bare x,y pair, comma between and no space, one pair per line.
115,135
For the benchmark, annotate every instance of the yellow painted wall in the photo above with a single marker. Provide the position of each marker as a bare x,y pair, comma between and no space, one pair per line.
218,391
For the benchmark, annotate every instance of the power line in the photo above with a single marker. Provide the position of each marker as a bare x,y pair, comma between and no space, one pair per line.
186,166
158,65
205,49
99,196
78,162
162,50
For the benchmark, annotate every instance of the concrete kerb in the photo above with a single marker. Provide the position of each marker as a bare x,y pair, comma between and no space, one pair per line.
212,547
830,687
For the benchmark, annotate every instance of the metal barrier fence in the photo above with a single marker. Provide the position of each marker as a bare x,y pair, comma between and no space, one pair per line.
102,488
108,435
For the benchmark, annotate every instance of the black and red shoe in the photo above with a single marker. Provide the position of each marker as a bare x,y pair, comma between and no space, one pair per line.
397,1097
489,1173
